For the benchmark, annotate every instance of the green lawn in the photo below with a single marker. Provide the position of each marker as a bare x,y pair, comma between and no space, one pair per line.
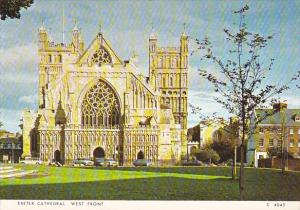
174,183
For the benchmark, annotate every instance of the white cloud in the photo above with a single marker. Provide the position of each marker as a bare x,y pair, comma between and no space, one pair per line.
30,99
201,94
208,105
18,55
292,101
10,119
19,63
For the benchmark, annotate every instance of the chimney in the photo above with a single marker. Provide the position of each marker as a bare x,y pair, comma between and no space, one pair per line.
279,106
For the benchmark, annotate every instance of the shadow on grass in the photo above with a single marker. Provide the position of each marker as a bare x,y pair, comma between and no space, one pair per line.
216,171
158,188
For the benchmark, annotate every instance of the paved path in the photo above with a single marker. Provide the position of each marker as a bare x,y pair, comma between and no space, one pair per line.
9,171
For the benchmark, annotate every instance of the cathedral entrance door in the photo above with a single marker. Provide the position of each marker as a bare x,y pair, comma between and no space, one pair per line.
140,155
57,156
99,153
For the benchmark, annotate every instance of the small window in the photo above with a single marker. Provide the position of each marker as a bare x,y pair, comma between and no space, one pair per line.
261,130
279,143
298,143
160,63
8,146
271,142
167,101
164,82
292,142
261,142
49,58
291,131
59,58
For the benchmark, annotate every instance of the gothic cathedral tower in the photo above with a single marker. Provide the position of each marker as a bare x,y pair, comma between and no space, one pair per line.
168,74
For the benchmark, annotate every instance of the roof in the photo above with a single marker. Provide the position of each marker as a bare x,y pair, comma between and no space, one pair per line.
10,140
286,116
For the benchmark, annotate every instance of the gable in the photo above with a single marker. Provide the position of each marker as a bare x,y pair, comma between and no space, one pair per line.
99,53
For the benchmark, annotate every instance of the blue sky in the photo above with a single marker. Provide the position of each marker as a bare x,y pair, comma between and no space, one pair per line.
127,25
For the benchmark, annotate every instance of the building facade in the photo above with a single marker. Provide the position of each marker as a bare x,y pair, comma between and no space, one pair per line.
279,131
10,149
93,104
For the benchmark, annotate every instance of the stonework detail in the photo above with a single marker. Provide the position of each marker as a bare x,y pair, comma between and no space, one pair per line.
92,104
101,56
100,106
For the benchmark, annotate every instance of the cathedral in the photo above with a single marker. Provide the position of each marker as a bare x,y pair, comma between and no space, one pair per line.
92,104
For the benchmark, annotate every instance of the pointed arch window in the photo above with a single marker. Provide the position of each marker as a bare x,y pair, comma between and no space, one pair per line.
100,106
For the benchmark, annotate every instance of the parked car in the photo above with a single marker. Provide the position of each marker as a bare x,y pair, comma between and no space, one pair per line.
105,162
142,162
111,162
99,162
83,161
192,163
31,160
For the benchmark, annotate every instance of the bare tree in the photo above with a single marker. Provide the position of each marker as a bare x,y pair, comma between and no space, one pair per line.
242,88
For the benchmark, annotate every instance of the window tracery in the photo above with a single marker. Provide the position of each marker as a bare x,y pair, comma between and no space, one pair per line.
101,56
100,106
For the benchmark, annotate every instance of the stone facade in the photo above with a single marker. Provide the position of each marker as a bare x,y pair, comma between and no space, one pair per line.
93,104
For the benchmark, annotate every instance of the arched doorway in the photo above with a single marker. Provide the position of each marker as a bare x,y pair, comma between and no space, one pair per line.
140,155
99,153
57,156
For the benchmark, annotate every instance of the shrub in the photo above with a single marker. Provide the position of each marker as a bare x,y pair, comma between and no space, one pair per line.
207,155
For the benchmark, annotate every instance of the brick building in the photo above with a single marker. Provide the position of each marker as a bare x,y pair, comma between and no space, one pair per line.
280,130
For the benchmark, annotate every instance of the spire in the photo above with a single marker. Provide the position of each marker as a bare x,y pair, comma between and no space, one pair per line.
184,30
100,27
75,25
153,33
42,28
60,115
63,24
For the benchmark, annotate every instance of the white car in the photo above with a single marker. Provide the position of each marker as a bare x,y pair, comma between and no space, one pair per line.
30,160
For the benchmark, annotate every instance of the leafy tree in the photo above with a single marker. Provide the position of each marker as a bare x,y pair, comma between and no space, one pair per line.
276,151
11,8
241,85
207,155
224,147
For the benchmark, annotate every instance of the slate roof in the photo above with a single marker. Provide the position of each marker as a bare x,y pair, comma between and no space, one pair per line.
277,117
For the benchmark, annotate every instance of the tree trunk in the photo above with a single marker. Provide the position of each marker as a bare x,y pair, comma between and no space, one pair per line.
234,163
241,183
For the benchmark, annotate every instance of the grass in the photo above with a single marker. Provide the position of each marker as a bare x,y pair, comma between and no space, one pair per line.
173,183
